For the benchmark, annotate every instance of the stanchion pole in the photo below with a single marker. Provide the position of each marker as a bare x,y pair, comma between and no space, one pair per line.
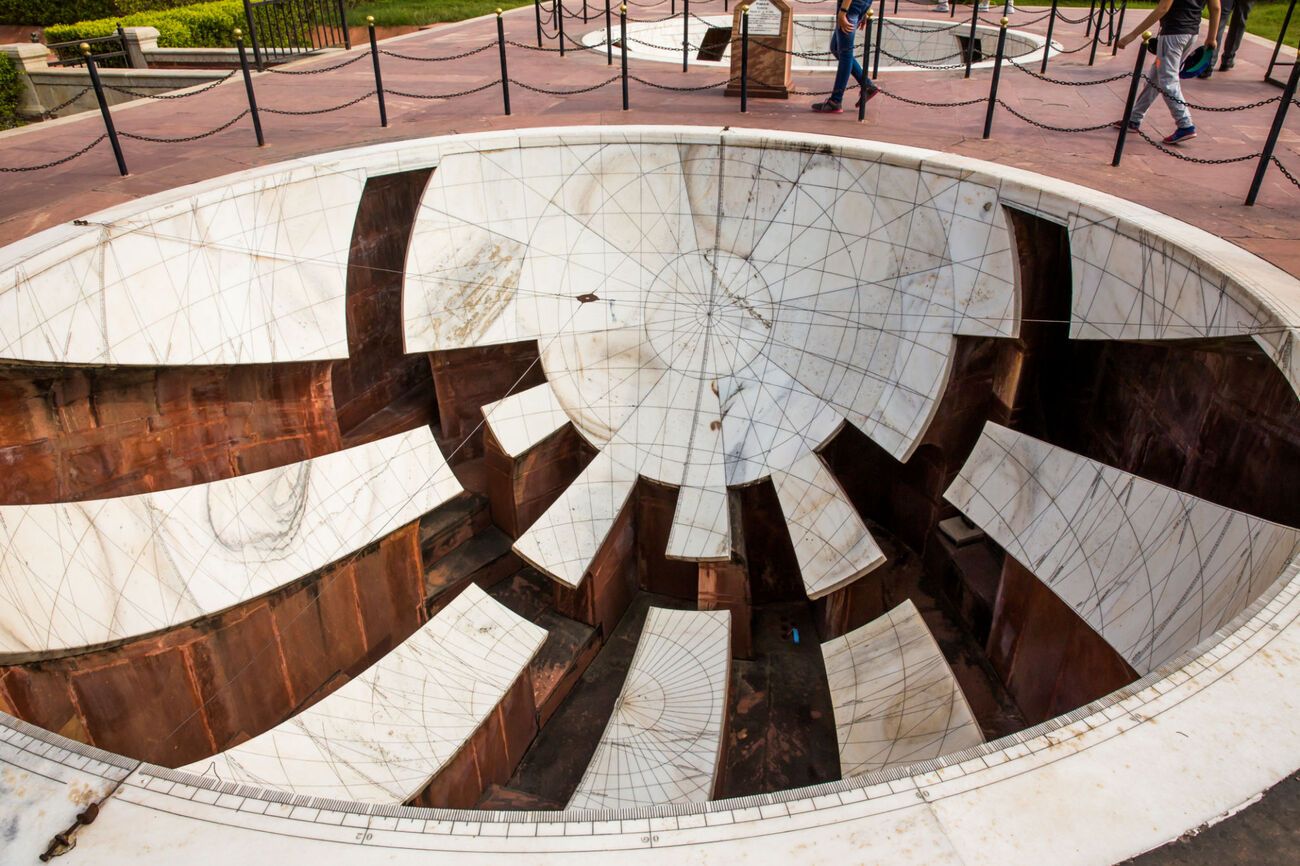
970,41
1047,46
505,70
1119,29
559,17
1132,97
584,12
248,87
1266,157
1096,34
744,58
686,34
103,108
997,74
622,47
379,78
537,9
866,54
609,37
1092,7
880,40
952,8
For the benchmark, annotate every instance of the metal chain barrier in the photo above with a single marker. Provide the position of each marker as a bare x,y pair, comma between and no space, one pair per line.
534,47
1220,108
1196,159
351,102
980,101
548,92
50,112
1062,81
920,65
272,70
1282,168
469,92
460,56
683,89
1048,126
204,89
222,128
69,158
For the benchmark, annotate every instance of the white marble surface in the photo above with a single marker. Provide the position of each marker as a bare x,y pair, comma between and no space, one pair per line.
523,419
663,740
896,700
1153,570
247,272
706,314
77,574
384,735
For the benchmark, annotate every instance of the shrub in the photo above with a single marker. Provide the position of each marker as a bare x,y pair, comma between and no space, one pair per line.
11,87
43,12
198,26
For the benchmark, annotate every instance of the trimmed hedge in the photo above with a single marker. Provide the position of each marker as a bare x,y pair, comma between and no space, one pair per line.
42,13
11,89
203,25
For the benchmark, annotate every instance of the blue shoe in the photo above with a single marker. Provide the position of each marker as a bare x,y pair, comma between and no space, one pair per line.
1180,135
830,106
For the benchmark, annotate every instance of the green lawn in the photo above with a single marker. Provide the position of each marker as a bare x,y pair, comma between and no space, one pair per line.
393,13
1265,18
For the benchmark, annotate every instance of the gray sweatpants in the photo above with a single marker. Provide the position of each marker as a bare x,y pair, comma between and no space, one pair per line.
1170,51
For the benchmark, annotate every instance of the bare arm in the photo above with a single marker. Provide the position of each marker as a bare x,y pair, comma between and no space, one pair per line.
1152,17
1213,38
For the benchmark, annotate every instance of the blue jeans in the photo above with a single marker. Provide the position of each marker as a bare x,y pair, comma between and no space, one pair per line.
842,50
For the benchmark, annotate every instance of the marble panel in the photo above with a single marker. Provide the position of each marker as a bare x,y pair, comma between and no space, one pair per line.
523,419
663,741
382,736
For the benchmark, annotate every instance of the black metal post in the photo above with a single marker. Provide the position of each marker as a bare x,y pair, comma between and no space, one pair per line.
537,10
1096,34
1047,47
686,34
880,40
505,71
121,39
866,54
609,36
103,108
952,8
622,47
248,88
379,78
1132,97
252,35
584,12
970,42
1119,29
1266,157
559,17
1092,7
997,74
744,59
343,22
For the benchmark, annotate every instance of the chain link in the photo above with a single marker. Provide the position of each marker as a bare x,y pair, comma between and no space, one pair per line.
362,98
458,93
1196,159
920,65
1062,81
5,169
222,128
347,62
683,89
1048,126
460,56
1282,168
1220,108
528,47
548,92
910,101
204,89
50,112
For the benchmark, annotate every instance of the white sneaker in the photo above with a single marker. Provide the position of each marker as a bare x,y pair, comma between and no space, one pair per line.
941,7
984,5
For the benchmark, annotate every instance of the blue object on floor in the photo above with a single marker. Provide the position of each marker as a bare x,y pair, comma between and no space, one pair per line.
1196,63
794,633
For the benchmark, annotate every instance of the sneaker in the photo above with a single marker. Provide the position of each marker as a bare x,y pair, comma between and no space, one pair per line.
868,96
984,5
829,106
1133,125
1226,65
1180,135
941,7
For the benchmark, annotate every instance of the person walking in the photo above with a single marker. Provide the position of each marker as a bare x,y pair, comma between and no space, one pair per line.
1236,11
850,18
1180,22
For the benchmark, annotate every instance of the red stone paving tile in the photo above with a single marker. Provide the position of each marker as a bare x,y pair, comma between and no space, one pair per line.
1207,196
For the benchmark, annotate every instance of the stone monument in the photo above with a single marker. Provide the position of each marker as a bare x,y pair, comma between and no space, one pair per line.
771,38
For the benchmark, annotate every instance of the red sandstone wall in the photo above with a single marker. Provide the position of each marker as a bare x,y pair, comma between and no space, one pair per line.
378,389
522,489
73,433
654,505
467,378
196,690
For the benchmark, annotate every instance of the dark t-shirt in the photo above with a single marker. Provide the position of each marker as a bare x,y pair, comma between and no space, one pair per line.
1182,18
